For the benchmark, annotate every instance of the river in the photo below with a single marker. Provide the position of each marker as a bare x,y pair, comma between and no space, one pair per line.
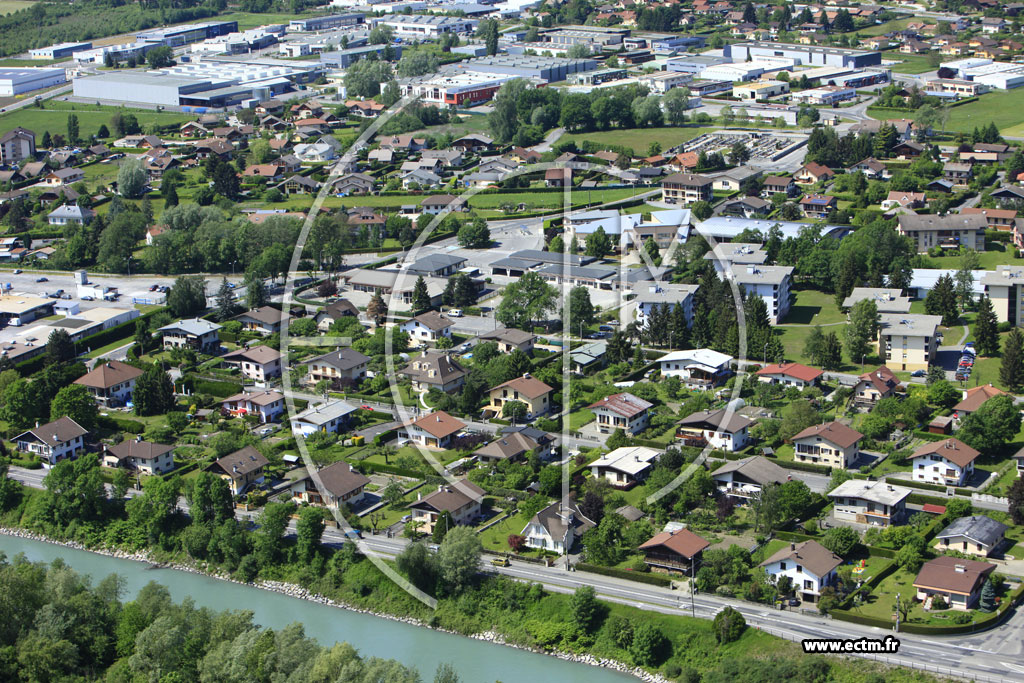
422,648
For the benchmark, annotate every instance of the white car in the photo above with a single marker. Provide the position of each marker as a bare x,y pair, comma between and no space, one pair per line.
455,313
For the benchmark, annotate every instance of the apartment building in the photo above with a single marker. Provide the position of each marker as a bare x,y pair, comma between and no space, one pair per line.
908,341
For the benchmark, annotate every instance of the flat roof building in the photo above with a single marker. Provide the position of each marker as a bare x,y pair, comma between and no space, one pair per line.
551,69
425,26
812,55
58,51
17,81
176,36
324,23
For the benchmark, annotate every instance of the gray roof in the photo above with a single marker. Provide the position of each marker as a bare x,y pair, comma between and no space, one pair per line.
194,326
721,420
342,359
762,274
59,431
552,257
554,520
576,272
325,412
875,491
755,468
434,262
241,462
909,325
979,528
953,221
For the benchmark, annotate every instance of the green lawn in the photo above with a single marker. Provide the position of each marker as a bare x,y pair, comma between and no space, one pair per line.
882,601
639,139
1002,107
496,537
550,200
887,27
995,254
908,64
10,6
814,308
54,118
580,417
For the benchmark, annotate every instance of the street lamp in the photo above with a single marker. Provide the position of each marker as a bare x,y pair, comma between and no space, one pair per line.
766,353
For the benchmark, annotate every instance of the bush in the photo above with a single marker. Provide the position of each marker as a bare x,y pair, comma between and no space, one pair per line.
729,625
939,602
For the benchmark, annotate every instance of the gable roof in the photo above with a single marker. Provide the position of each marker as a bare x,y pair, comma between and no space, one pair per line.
976,396
560,517
136,448
508,446
834,432
954,450
876,491
882,379
810,555
978,528
794,370
528,386
451,497
241,462
260,398
624,404
724,420
344,358
444,367
952,574
439,424
756,468
260,355
432,320
194,326
109,373
341,479
59,431
628,459
817,169
682,542
509,335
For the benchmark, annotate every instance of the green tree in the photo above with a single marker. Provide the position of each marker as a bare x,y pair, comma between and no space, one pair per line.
831,358
798,416
268,539
131,178
964,279
943,394
76,402
60,348
442,526
987,602
986,328
420,296
584,608
526,300
581,310
377,310
1011,369
73,128
23,404
598,244
187,296
225,301
475,234
861,330
255,291
459,558
840,540
648,644
154,392
729,625
992,425
701,210
942,301
309,530
160,57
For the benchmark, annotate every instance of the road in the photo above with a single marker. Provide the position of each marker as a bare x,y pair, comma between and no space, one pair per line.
992,655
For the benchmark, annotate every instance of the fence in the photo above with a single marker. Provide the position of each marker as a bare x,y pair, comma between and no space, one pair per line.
986,498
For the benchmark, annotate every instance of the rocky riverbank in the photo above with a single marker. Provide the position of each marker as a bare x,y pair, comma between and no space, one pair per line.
295,591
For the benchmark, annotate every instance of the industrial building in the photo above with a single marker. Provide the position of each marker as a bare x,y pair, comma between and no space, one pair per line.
17,81
550,69
455,89
996,75
59,51
298,45
808,55
598,77
585,35
420,26
741,72
826,95
203,84
176,36
240,43
118,53
663,81
342,59
325,23
694,64
760,90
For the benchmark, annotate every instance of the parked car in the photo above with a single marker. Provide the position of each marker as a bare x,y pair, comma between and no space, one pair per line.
42,279
454,313
918,373
366,407
87,298
153,288
65,296
17,271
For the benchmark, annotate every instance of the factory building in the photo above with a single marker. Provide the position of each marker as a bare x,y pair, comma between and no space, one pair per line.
342,59
585,35
59,51
420,26
550,69
119,53
808,55
455,89
325,23
239,43
17,81
176,36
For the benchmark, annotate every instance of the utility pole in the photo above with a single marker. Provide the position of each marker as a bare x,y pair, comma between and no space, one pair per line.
897,613
693,589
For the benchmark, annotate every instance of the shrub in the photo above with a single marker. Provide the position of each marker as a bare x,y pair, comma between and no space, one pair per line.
939,602
729,625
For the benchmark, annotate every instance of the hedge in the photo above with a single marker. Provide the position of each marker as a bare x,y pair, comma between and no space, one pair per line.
919,485
371,467
640,577
921,499
872,582
123,424
215,388
928,436
804,466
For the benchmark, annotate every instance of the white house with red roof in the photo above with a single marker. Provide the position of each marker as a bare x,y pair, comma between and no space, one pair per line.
790,375
434,431
949,462
622,411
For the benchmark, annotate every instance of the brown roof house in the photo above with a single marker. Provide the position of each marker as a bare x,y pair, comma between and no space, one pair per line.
62,439
111,382
510,339
873,386
622,411
949,462
515,443
974,398
434,369
344,366
141,456
461,500
686,188
833,444
556,527
268,404
809,565
241,469
434,430
258,363
333,486
745,478
674,552
723,429
957,581
427,327
813,173
530,391
265,320
790,375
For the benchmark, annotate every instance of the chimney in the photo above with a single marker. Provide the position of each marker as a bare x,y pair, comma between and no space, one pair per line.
792,546
960,569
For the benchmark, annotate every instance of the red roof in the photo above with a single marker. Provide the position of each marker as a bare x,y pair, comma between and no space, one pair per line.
794,370
934,509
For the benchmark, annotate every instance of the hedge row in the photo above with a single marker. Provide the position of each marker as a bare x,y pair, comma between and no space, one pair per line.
640,577
920,485
928,436
215,388
804,466
371,467
122,424
921,499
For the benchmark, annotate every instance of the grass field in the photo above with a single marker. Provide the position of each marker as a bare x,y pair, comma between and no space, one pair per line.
54,118
639,139
908,64
10,6
995,254
548,199
247,20
880,29
496,537
1003,107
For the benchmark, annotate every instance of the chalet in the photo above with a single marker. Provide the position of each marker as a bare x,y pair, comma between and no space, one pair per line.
196,334
405,142
818,205
974,398
875,503
907,200
62,439
428,327
266,405
832,444
813,173
977,535
515,444
434,430
241,469
343,367
442,203
949,462
622,411
139,456
510,339
462,500
530,391
701,368
265,320
674,552
873,386
67,214
722,429
557,527
298,184
957,581
111,383
790,375
743,479
774,184
327,418
353,183
334,311
558,177
331,487
258,363
809,565
434,370
748,207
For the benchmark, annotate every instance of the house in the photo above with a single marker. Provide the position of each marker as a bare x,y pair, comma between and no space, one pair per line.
588,357
557,527
436,265
813,173
909,340
196,334
908,150
346,366
832,444
977,535
334,311
774,184
16,145
510,339
138,455
240,469
462,500
111,383
70,213
63,176
405,142
625,467
875,503
723,429
872,168
974,398
702,368
530,391
959,173
62,439
998,219
558,177
818,205
744,479
434,369
949,462
365,108
329,418
523,156
265,171
215,147
790,375
810,565
427,327
442,203
621,411
674,552
873,386
957,581
298,184
266,404
906,200
516,443
258,363
353,183
686,188
748,207
333,486
474,142
434,430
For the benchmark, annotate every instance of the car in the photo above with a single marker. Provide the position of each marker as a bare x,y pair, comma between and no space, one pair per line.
231,285
793,602
465,347
353,533
153,288
17,271
406,518
366,407
87,298
266,430
918,373
42,279
500,562
433,547
65,296
59,292
454,313
605,328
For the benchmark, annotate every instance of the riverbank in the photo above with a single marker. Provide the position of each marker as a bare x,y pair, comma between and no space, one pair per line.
298,592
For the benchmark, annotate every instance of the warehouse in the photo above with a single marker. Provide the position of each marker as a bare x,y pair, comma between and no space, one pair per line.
60,51
760,90
827,95
454,89
118,53
298,45
808,55
997,75
324,23
550,69
176,36
694,64
17,81
342,59
252,40
663,81
584,35
421,26
733,72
